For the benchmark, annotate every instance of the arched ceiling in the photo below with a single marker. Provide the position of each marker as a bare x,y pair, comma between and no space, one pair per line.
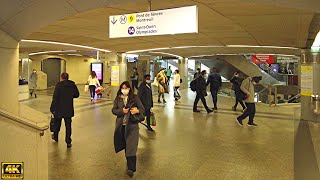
221,22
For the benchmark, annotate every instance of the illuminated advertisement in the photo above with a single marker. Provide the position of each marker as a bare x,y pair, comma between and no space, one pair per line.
98,68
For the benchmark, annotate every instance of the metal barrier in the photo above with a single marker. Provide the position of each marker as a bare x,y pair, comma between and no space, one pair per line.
315,100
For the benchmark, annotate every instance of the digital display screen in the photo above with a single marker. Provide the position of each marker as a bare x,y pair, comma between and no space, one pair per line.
98,68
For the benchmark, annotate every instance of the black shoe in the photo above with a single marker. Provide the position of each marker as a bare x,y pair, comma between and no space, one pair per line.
69,145
196,110
215,109
159,101
164,101
209,111
130,173
35,95
234,108
52,137
150,129
239,122
31,94
252,125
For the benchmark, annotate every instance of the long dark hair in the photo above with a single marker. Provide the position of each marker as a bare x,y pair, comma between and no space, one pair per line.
127,84
93,74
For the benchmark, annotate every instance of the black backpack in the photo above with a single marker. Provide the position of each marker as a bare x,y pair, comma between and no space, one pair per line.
193,84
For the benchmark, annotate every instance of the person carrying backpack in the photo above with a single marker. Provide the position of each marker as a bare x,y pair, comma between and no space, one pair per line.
215,82
201,92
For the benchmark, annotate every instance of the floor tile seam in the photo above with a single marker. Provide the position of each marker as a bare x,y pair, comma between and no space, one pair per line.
257,115
82,109
230,110
186,105
81,96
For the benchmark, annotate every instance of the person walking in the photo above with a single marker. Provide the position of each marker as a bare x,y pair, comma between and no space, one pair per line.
62,106
247,86
162,87
215,82
126,134
134,79
33,79
93,84
201,93
168,74
176,85
236,83
197,74
145,96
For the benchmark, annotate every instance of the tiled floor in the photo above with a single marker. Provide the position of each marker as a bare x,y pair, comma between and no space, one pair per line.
185,145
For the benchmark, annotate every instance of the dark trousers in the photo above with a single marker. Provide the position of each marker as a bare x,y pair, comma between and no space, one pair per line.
131,160
92,90
239,101
250,111
134,84
214,94
198,97
168,80
176,93
147,113
57,126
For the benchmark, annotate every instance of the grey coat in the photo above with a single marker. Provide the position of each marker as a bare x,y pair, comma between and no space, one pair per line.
33,80
131,139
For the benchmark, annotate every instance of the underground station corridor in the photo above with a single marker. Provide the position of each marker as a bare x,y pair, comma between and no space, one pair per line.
110,89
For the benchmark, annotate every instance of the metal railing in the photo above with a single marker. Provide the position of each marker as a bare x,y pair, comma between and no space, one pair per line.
278,76
23,122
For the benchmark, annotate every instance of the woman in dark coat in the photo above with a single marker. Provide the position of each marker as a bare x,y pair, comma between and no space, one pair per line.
236,83
126,134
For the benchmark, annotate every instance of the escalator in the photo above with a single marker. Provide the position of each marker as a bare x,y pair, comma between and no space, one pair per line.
227,65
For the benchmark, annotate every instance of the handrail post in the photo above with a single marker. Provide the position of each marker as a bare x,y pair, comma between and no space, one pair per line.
275,95
270,94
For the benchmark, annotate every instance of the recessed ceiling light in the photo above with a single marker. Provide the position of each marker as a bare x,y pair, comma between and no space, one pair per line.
47,52
65,44
167,54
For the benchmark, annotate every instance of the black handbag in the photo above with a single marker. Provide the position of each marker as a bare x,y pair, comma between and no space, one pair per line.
52,124
136,118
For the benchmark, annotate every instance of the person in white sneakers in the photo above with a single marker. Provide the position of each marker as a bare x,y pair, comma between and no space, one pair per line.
93,84
176,85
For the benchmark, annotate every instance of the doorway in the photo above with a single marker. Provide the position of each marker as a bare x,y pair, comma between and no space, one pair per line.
52,67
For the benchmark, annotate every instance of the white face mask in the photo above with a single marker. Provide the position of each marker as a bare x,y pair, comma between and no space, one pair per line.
148,81
125,91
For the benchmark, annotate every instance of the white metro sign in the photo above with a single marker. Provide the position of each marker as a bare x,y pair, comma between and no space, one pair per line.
161,22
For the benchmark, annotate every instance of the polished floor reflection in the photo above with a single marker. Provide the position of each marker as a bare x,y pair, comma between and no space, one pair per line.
185,145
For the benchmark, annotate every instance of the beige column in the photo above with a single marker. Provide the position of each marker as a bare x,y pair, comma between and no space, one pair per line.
183,69
310,85
118,73
9,70
22,134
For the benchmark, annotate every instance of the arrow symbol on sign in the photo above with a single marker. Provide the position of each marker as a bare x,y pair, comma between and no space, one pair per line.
113,21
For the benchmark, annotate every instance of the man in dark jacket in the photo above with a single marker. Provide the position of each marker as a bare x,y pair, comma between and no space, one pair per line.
215,82
145,96
201,93
62,106
236,83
